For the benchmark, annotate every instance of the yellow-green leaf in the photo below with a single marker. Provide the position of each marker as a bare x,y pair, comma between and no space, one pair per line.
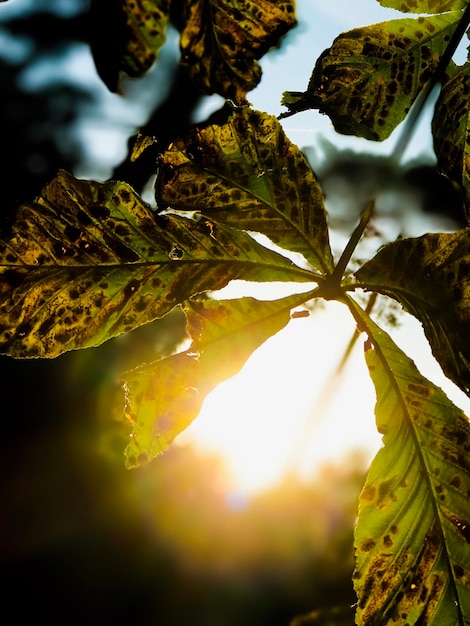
369,78
142,142
437,292
223,39
245,172
424,6
87,261
164,397
451,130
146,22
412,538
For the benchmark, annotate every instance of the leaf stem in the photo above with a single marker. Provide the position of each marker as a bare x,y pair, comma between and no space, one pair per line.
352,342
340,267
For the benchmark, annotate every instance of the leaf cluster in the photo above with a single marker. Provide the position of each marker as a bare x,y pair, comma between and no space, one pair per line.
87,261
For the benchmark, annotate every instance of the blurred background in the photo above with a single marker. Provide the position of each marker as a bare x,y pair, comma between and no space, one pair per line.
185,540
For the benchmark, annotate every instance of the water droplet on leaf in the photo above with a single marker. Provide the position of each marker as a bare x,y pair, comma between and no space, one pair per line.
176,253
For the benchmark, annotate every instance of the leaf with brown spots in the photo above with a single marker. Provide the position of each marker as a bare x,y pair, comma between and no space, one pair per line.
136,30
412,538
369,78
424,6
223,40
164,397
245,172
437,292
88,261
451,130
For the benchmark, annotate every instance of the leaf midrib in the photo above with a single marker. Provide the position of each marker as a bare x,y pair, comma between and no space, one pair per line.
294,271
301,299
359,315
293,226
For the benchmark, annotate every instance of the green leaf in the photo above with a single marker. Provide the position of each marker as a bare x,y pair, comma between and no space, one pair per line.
412,538
164,397
129,35
369,78
437,292
451,130
245,172
424,6
223,39
88,261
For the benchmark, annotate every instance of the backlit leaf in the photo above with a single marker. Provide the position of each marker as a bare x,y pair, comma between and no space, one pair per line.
146,21
369,78
164,397
223,39
142,142
246,173
424,6
412,538
451,130
437,292
129,36
88,261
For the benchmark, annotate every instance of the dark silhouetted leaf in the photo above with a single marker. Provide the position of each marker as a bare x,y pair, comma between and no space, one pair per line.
424,6
223,39
412,538
369,78
246,173
437,292
164,397
127,36
451,128
88,261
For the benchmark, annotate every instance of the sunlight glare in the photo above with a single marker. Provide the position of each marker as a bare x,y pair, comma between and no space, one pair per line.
283,412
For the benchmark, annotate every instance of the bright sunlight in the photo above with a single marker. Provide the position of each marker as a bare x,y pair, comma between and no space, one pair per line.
287,411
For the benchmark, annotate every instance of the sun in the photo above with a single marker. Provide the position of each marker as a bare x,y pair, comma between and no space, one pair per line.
286,411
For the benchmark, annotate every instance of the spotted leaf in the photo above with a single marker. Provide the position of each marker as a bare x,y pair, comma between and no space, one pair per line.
223,40
437,292
412,539
164,397
369,78
137,31
424,6
87,261
451,130
244,172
